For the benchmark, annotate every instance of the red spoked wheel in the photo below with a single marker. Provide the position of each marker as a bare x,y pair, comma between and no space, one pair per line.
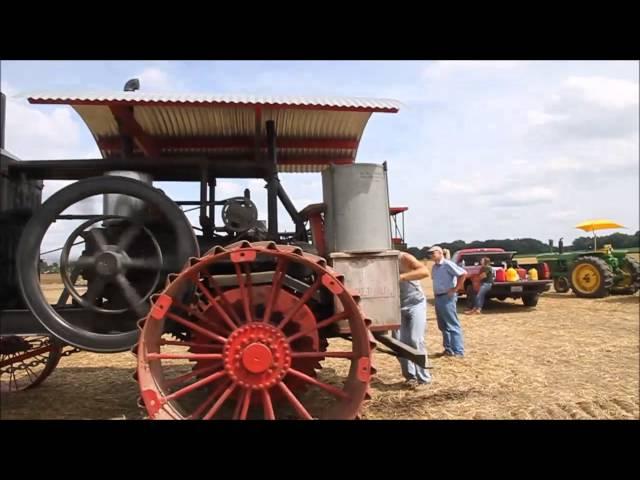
253,339
26,361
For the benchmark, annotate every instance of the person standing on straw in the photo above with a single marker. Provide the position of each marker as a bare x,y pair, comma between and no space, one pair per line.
413,318
448,278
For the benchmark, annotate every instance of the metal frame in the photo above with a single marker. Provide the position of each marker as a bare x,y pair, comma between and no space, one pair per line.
397,233
205,169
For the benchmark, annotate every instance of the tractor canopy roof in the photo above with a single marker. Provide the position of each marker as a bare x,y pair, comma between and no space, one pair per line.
312,132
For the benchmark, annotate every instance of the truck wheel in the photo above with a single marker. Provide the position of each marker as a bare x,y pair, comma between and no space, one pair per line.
530,300
561,284
591,277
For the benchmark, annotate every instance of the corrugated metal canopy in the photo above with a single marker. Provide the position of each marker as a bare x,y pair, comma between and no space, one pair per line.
132,98
312,132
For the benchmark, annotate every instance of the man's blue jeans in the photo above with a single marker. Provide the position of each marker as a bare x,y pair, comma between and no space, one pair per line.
412,331
449,324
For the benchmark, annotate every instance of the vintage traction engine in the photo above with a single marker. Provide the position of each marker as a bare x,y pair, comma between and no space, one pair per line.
241,321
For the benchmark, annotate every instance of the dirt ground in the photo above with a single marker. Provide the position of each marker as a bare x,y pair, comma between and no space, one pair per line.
568,358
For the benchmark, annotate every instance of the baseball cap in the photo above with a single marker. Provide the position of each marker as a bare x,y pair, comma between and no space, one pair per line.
435,248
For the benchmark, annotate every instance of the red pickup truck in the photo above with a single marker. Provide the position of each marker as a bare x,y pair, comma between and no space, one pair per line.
529,290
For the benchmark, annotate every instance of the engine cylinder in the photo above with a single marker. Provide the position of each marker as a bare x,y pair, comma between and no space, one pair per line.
357,208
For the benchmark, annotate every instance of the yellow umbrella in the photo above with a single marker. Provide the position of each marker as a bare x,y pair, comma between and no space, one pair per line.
599,224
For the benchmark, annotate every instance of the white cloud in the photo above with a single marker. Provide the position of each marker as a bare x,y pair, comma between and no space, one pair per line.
155,80
584,108
563,164
590,159
562,214
449,186
441,68
536,117
34,132
522,197
606,92
479,185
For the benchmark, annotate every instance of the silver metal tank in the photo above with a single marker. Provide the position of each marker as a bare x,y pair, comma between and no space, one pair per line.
124,205
357,208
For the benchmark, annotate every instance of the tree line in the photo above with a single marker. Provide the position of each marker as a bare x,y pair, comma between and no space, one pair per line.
49,267
532,245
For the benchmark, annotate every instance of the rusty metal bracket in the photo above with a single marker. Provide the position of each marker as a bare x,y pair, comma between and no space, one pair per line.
401,349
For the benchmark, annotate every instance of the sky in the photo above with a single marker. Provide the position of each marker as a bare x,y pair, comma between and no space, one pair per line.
479,149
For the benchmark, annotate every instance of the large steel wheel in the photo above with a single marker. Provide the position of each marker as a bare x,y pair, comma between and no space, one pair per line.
116,294
26,361
253,340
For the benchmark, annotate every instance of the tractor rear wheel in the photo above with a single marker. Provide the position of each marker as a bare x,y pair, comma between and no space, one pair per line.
631,279
591,277
561,284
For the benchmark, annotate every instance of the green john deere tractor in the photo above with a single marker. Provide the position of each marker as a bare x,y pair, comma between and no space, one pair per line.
594,273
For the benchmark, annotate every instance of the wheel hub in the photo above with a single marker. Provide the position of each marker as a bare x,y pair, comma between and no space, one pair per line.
257,356
587,277
109,264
